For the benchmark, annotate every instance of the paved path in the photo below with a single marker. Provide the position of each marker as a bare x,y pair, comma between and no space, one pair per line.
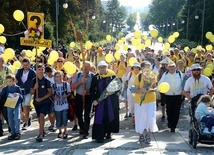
125,142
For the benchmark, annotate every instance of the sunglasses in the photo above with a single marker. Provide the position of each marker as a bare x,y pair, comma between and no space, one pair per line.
196,70
59,61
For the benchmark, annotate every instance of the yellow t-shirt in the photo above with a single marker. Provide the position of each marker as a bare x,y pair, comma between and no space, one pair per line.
121,70
100,58
150,97
190,63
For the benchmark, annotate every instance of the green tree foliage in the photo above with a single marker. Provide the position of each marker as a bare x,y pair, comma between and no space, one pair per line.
131,20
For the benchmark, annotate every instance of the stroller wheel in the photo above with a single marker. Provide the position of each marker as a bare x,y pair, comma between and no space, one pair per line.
194,140
190,136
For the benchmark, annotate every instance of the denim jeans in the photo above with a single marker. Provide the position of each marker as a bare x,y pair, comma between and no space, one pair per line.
61,118
14,119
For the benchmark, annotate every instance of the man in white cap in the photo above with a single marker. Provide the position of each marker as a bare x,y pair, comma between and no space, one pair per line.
197,85
173,97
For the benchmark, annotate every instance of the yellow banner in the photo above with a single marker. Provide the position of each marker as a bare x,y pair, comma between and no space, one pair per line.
30,42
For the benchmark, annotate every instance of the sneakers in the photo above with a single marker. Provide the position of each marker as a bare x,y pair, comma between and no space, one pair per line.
141,138
147,138
39,138
206,131
130,115
17,136
74,128
212,130
163,118
11,137
25,126
126,116
52,128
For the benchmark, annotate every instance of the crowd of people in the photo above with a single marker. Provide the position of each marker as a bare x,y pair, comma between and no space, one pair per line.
66,97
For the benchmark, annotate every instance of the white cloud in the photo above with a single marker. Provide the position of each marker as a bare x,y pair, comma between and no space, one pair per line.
134,3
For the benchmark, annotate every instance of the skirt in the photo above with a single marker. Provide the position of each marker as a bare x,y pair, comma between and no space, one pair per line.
145,117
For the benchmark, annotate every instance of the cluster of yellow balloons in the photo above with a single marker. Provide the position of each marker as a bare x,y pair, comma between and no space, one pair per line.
210,36
164,87
54,55
18,15
69,67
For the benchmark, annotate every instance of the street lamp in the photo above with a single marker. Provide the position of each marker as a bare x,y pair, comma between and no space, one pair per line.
187,26
65,6
202,20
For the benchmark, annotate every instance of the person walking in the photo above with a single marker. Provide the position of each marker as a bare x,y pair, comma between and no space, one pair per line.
173,97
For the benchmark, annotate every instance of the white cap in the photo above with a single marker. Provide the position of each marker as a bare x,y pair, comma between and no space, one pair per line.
195,66
136,64
165,60
102,63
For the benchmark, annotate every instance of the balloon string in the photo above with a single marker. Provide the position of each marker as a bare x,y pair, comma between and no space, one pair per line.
11,35
23,25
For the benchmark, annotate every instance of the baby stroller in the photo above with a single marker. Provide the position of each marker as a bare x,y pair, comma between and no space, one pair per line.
196,130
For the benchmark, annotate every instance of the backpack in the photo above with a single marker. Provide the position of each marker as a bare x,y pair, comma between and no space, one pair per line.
79,73
118,63
176,72
64,87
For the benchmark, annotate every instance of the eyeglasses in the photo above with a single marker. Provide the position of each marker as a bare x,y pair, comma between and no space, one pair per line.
196,69
59,61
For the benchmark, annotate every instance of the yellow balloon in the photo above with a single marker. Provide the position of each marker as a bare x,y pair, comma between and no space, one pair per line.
199,47
160,39
142,46
135,42
212,39
109,58
1,28
17,64
117,47
72,44
123,39
120,42
28,53
167,46
209,35
70,68
117,55
54,55
50,61
194,50
154,33
139,47
9,53
125,47
145,37
207,72
42,48
3,40
148,43
186,49
137,34
176,34
88,45
18,15
67,64
164,87
5,58
210,66
132,61
209,47
12,68
108,38
33,58
171,39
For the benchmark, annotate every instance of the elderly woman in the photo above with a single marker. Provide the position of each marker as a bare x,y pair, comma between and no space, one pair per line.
106,118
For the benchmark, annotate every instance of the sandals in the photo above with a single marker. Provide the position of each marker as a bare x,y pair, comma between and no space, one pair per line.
147,138
141,138
65,135
60,135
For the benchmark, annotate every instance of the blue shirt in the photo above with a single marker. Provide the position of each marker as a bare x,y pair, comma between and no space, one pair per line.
202,110
78,77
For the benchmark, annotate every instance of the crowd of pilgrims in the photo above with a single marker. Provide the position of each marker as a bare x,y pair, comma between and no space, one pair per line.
53,92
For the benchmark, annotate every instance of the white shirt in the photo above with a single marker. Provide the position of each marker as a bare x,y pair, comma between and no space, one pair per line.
200,86
24,76
175,82
59,92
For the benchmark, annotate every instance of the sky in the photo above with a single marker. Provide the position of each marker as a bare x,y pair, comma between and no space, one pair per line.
134,3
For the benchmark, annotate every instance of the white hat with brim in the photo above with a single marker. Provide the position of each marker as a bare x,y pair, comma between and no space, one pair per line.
165,61
102,63
166,53
195,66
136,64
171,63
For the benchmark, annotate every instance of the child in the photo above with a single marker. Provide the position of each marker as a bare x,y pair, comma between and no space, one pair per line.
204,114
61,91
13,113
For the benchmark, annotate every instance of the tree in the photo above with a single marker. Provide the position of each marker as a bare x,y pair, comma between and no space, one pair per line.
131,20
